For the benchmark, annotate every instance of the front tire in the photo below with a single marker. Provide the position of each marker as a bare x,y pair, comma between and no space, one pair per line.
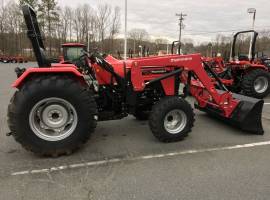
52,115
256,84
171,119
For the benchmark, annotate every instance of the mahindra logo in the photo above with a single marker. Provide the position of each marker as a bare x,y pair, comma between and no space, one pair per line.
181,59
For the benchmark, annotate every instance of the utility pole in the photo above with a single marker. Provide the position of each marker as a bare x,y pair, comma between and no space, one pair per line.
253,12
181,26
168,48
125,45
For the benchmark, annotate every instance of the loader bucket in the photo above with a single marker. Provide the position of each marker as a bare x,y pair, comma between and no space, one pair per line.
247,116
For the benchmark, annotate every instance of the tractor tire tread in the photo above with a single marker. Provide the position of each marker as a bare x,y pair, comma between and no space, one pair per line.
248,83
158,109
45,81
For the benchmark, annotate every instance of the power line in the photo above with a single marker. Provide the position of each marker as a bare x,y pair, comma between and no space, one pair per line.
225,31
213,31
236,29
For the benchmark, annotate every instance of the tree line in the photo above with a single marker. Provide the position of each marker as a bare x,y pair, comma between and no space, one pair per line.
100,26
222,44
59,25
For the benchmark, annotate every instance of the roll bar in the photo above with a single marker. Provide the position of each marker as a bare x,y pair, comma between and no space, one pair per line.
34,35
255,35
174,45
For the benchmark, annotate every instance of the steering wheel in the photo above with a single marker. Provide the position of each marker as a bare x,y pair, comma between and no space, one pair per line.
96,57
77,61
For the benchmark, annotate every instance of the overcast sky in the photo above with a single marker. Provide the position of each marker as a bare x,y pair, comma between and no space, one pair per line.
158,16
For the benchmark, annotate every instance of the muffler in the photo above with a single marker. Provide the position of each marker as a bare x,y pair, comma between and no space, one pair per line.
247,116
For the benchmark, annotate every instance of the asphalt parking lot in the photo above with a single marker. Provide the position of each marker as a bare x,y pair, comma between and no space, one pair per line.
124,161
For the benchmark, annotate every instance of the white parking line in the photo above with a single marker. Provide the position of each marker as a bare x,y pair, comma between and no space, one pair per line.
266,103
146,157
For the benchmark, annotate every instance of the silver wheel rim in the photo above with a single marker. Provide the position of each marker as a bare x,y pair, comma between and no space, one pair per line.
261,84
53,119
175,121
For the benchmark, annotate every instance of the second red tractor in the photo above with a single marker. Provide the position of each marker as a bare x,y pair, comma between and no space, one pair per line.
244,73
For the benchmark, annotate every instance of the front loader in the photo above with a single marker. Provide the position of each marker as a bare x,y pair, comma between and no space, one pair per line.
57,106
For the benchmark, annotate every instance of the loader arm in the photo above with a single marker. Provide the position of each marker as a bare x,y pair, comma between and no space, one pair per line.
202,89
239,110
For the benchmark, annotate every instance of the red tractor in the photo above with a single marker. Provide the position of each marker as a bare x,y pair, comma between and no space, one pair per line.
57,106
13,59
20,59
243,73
6,59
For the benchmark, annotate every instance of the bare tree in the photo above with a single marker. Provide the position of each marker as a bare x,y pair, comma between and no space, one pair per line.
15,19
160,43
103,21
32,3
77,21
68,14
48,11
87,21
3,26
65,20
138,36
115,25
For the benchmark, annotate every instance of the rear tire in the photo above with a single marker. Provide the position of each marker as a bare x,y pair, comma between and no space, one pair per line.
171,119
69,98
256,84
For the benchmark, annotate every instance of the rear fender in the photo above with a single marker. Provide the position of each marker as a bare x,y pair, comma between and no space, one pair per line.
53,70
